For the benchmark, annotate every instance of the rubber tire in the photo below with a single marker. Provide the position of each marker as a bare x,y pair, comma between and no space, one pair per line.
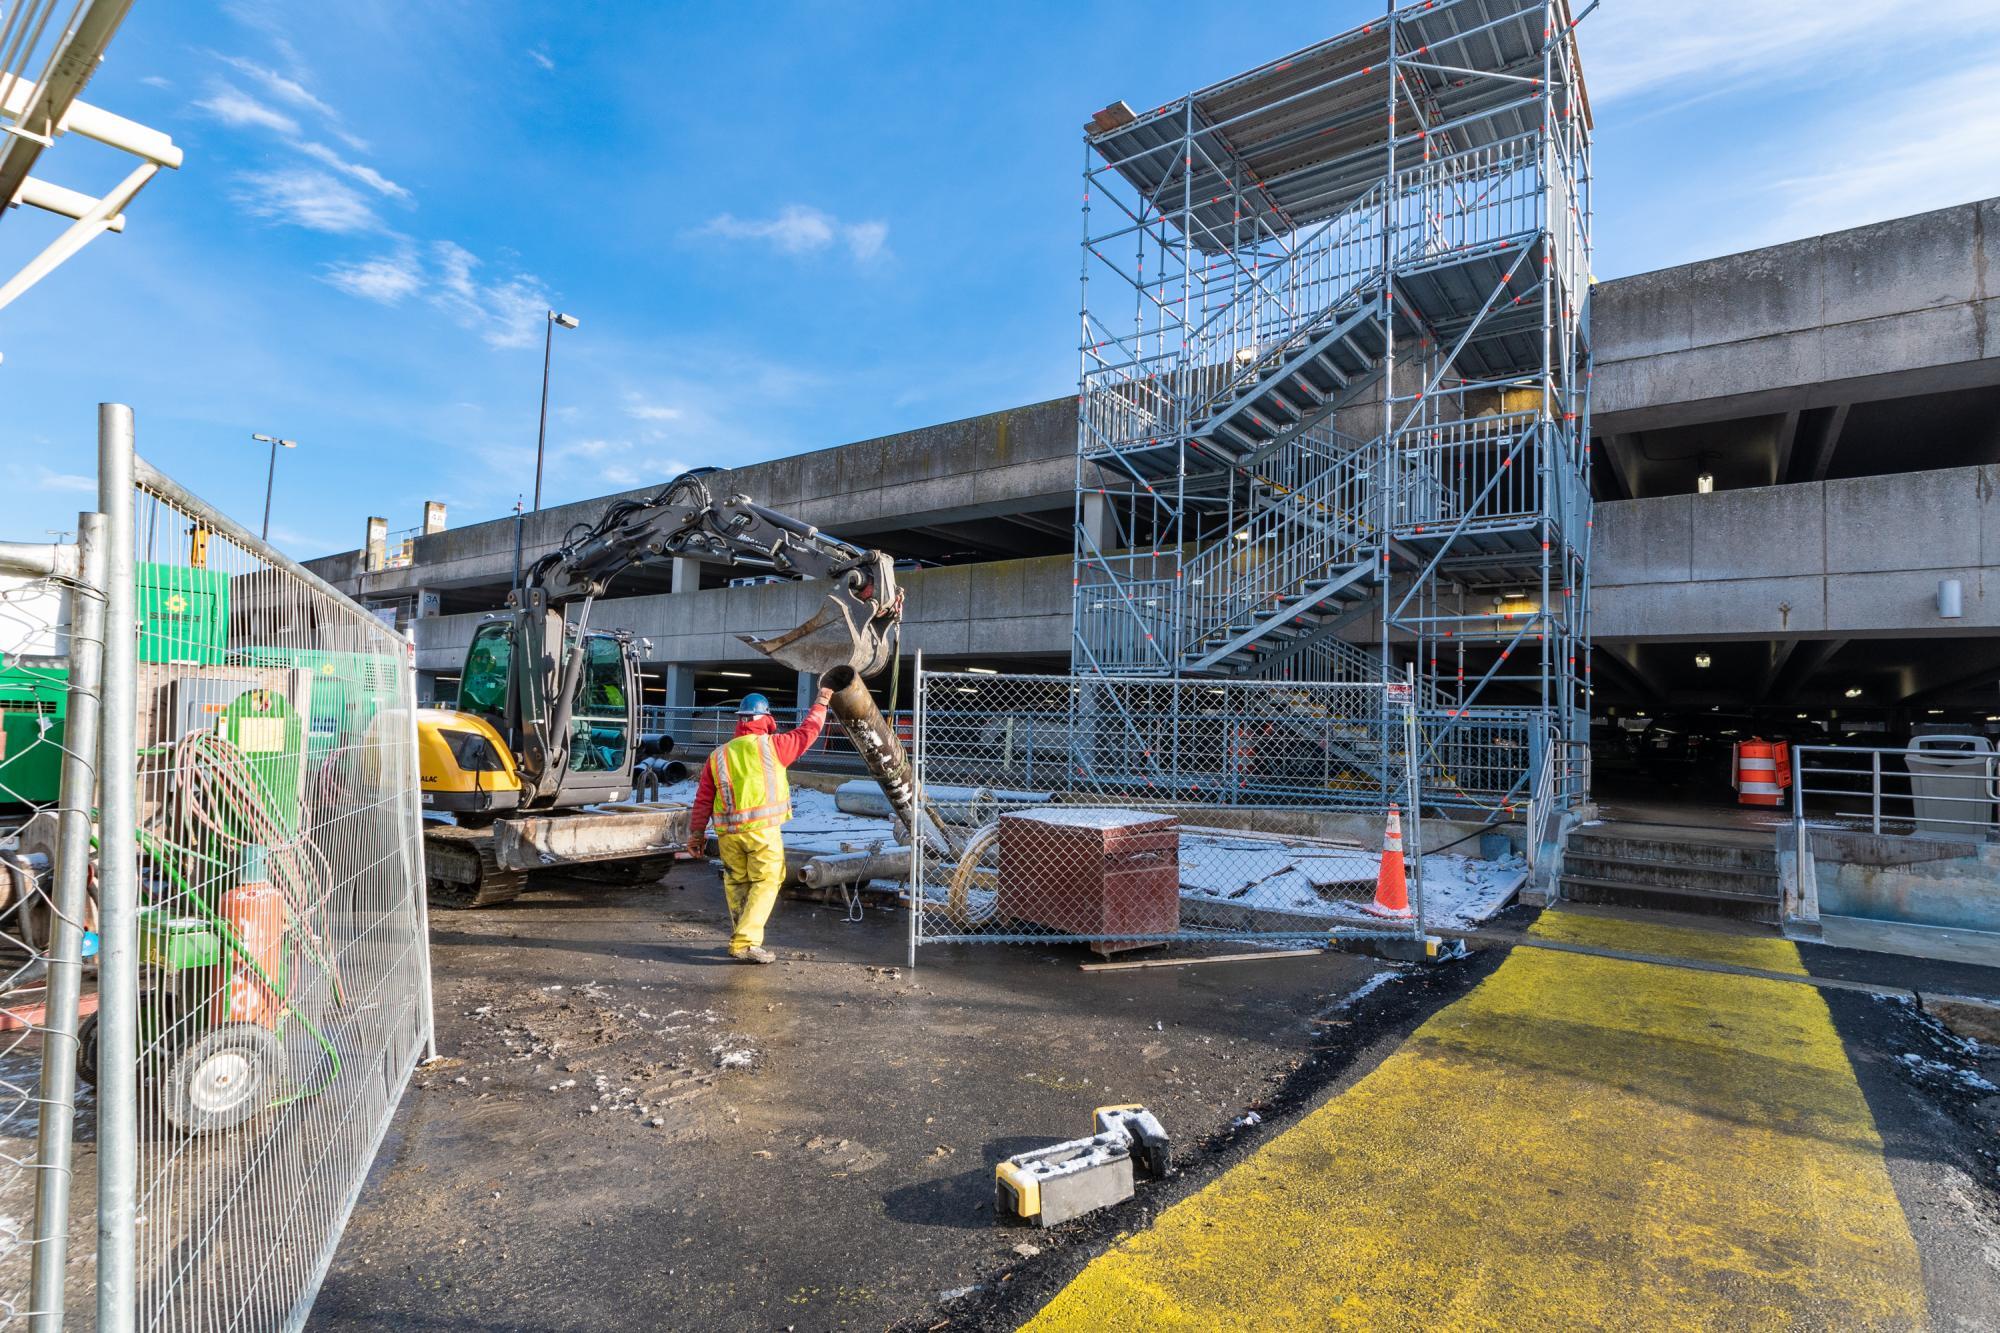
264,1063
86,1051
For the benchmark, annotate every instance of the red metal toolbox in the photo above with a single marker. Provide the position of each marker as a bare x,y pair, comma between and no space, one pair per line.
1088,871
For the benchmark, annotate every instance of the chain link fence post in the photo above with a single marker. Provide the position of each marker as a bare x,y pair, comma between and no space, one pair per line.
117,890
76,808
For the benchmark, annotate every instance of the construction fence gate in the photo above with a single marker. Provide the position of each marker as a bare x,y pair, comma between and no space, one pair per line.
215,965
1119,812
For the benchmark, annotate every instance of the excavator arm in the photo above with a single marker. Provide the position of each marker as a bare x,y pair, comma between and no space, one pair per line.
854,626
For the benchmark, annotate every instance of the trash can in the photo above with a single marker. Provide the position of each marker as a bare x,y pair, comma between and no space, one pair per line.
1952,785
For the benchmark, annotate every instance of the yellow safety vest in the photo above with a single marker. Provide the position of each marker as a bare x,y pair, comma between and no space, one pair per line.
751,790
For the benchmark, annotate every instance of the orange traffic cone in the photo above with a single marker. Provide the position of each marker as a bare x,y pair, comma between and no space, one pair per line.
1392,894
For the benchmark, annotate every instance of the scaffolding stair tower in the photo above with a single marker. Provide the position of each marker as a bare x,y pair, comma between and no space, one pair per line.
1334,407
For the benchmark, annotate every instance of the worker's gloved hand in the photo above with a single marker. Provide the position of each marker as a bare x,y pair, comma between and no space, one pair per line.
824,697
697,846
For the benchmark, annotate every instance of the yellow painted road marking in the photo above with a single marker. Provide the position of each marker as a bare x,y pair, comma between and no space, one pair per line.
1580,1142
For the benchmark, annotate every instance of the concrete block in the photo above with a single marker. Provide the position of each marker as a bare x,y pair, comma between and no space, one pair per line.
1910,520
1905,602
1746,296
1909,340
1644,541
1730,609
1783,360
1643,315
1910,263
1765,532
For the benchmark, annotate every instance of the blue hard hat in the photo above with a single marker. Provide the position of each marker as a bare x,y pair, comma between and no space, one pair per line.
754,705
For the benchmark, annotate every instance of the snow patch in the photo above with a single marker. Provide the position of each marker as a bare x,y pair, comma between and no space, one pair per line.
1970,1078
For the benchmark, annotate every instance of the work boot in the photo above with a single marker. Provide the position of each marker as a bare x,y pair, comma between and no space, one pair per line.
754,954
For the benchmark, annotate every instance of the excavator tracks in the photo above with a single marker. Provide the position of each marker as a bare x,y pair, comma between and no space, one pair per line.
462,870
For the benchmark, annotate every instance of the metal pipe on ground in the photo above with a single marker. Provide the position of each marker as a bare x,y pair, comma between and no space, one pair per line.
831,868
875,740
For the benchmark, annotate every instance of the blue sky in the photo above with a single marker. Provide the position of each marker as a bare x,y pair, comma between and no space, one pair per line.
784,226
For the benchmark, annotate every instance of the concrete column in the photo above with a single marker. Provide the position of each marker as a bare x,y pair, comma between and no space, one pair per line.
687,574
433,517
377,546
680,696
808,686
1095,516
428,603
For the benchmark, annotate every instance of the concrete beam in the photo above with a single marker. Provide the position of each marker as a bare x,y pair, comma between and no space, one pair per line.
1889,310
1859,557
1804,665
1781,448
1830,423
1615,448
1003,609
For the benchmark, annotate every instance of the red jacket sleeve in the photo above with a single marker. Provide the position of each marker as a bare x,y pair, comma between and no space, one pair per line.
789,745
704,802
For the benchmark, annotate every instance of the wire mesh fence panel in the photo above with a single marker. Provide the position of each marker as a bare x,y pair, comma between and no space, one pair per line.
1121,812
283,996
50,644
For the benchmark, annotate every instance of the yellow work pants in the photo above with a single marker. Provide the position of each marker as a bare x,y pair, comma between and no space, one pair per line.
753,869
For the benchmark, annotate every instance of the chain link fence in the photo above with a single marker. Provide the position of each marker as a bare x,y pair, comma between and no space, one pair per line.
283,995
207,766
1121,812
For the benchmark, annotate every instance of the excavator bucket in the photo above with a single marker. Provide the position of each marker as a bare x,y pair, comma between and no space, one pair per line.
846,631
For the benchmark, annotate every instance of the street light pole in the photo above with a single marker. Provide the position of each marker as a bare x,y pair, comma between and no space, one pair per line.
271,475
542,431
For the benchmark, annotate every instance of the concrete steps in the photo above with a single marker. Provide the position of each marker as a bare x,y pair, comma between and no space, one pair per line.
1673,871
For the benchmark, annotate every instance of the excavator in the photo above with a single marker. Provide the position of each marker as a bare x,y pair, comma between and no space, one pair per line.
535,765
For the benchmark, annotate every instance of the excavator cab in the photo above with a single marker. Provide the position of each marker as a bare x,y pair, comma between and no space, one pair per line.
569,755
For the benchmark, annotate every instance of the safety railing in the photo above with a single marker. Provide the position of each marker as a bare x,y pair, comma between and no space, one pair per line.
1470,199
1127,624
1126,402
1478,758
1479,473
1948,788
1274,310
1934,789
1274,557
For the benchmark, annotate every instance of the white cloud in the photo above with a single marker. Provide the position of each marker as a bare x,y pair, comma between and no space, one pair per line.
306,198
1702,45
155,81
367,175
50,480
505,314
635,471
866,239
1889,155
278,85
387,279
798,230
541,57
640,410
239,110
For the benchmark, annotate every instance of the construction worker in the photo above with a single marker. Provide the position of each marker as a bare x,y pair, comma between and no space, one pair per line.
743,787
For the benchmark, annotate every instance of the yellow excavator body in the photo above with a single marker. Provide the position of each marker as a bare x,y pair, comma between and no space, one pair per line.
464,764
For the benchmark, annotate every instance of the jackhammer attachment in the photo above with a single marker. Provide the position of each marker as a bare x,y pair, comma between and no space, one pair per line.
875,740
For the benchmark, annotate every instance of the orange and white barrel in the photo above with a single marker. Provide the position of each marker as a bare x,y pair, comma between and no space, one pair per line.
1763,771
